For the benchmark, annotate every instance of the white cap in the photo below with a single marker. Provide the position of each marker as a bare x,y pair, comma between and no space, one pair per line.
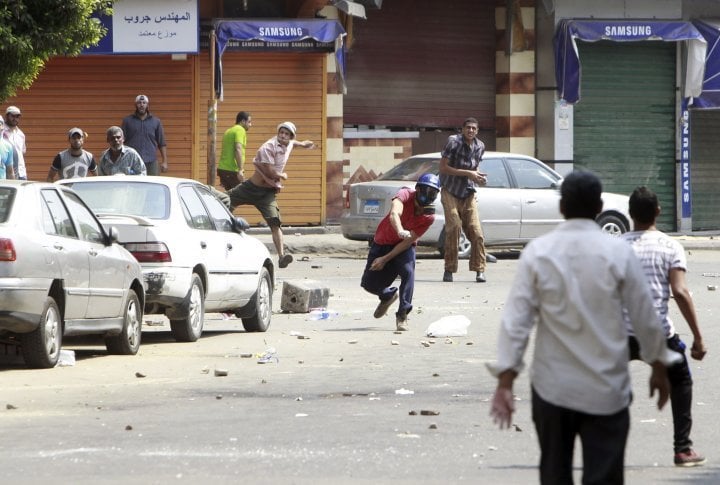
75,131
142,97
289,126
13,110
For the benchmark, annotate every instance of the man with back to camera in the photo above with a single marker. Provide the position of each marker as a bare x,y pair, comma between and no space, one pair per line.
144,132
459,177
665,265
73,162
264,184
231,166
573,284
392,252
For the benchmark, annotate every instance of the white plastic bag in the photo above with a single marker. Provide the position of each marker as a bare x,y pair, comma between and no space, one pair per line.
450,326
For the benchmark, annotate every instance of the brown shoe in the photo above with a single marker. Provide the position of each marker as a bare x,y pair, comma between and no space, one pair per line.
383,306
401,322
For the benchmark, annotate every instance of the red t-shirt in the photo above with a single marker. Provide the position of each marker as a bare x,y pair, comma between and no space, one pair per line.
385,234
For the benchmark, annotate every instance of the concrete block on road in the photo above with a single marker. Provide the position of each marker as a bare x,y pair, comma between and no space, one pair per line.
302,296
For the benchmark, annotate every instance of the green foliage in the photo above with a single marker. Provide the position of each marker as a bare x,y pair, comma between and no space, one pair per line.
33,31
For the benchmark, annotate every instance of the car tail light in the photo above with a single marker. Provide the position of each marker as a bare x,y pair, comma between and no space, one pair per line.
347,198
7,250
154,252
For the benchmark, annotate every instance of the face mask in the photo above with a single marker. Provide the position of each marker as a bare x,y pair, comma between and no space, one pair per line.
425,195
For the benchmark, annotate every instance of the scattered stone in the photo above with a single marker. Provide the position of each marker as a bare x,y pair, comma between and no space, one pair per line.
246,356
427,412
263,381
435,374
432,426
301,361
404,391
517,428
352,341
218,397
712,287
128,428
413,413
469,343
205,370
139,375
448,340
221,372
424,343
299,398
316,266
397,332
10,407
394,342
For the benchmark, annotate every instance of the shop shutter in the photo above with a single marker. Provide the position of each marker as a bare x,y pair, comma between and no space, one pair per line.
705,169
274,87
96,92
625,119
416,64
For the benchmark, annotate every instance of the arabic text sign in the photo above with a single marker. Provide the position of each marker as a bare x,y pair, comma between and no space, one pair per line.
141,26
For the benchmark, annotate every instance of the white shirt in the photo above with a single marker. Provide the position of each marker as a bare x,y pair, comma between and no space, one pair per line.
17,138
658,254
574,282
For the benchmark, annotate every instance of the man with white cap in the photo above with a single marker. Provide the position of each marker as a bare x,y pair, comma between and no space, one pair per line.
144,132
260,190
73,162
6,155
16,137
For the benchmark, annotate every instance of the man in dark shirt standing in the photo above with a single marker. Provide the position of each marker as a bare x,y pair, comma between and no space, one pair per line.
459,177
144,132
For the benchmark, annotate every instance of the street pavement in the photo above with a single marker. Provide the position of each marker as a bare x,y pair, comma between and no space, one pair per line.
329,240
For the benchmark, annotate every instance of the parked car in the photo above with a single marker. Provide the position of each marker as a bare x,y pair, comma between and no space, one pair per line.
195,255
519,202
62,273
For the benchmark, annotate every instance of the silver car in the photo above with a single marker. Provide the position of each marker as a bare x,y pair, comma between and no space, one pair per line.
62,273
519,202
195,255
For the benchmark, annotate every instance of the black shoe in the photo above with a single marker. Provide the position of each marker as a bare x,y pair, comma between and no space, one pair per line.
285,260
490,258
480,277
447,276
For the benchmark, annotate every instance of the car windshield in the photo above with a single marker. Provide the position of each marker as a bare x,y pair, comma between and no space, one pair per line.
7,195
125,197
412,168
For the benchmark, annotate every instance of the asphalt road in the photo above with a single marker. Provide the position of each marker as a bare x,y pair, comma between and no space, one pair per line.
342,402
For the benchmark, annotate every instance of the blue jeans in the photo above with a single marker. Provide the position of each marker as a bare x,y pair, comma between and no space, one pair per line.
378,282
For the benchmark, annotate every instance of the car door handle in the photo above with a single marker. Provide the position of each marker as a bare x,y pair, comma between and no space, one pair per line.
530,201
93,252
203,244
229,246
58,246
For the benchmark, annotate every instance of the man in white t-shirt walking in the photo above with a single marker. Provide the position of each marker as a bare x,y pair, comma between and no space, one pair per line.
664,264
16,137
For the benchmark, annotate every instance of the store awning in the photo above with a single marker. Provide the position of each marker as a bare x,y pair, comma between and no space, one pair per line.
567,60
710,96
280,33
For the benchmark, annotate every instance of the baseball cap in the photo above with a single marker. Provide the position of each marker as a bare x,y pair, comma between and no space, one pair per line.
289,126
142,97
12,110
75,131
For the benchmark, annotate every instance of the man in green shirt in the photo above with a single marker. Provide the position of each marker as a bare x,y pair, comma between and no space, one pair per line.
232,158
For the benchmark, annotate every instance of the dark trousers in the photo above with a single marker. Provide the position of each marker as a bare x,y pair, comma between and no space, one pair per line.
603,441
680,392
378,282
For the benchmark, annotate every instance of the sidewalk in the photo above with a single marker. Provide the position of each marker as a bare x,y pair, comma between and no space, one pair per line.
329,240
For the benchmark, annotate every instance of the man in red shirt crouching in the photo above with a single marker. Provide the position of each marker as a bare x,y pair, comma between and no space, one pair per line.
392,252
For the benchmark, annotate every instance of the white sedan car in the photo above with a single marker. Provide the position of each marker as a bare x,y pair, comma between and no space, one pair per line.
195,255
62,274
519,202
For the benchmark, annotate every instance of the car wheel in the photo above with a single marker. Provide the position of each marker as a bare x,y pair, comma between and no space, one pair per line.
41,347
262,299
127,342
612,224
190,328
464,246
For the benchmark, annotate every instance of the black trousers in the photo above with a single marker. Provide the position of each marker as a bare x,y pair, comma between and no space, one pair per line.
680,392
603,441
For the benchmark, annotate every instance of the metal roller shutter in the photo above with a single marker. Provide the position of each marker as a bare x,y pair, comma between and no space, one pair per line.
704,169
275,87
423,64
96,92
625,119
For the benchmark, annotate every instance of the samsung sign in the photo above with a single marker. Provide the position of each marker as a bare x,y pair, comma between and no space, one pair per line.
628,30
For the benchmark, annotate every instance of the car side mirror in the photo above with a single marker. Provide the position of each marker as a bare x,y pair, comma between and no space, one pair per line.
241,224
113,235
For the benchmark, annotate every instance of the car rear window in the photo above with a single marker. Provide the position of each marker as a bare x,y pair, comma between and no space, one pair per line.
7,196
412,168
126,197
